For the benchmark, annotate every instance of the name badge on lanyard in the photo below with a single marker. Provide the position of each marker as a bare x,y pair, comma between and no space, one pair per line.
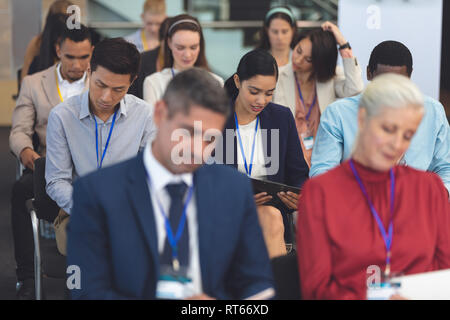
173,281
307,137
385,289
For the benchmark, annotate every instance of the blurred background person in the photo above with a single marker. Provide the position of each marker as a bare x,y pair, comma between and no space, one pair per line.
369,210
278,34
429,149
250,90
184,48
312,81
153,14
151,62
39,94
49,35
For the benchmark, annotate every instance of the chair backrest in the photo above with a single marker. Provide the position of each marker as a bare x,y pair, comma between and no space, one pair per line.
286,275
45,207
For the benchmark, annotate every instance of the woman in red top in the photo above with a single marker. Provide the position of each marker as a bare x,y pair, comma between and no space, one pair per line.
369,211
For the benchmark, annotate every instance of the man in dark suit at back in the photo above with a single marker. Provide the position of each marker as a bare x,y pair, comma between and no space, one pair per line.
162,225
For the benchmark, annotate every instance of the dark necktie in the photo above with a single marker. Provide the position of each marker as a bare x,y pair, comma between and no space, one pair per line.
177,192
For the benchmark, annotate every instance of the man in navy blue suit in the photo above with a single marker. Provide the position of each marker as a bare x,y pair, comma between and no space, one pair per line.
162,225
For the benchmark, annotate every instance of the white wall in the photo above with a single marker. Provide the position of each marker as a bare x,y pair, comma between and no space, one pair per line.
415,23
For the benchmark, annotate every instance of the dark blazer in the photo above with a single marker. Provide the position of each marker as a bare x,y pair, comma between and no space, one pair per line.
147,67
293,169
112,235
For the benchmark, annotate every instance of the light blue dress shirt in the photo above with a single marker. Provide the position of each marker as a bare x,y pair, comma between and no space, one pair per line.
71,141
429,149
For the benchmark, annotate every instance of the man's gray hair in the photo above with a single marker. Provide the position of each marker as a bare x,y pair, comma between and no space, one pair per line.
197,87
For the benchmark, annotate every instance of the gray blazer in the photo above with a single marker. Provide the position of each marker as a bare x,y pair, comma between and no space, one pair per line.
346,83
38,95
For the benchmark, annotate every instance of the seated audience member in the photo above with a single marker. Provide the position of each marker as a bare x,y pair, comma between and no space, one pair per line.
98,128
153,227
45,41
267,145
151,62
279,34
184,48
39,94
369,211
429,149
312,81
147,38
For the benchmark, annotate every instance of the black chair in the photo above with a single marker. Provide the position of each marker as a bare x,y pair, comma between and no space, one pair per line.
49,263
287,280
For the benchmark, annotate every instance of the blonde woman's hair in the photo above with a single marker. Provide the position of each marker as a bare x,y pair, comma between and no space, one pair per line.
390,90
155,6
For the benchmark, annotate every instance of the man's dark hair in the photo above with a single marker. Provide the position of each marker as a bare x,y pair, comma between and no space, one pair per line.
116,55
76,35
391,53
195,86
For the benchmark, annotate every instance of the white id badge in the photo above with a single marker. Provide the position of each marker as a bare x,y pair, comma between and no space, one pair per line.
308,141
382,291
174,285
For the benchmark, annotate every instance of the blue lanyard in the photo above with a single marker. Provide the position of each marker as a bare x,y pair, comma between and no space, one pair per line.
99,165
173,73
173,239
303,101
248,170
386,237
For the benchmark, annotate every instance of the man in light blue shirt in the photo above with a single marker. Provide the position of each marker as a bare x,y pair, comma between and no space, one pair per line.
430,146
98,128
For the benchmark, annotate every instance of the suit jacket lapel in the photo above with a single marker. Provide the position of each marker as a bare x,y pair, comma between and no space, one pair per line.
289,87
264,119
139,195
204,197
49,86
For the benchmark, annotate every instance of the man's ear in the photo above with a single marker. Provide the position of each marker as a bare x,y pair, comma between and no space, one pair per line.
160,113
369,74
58,50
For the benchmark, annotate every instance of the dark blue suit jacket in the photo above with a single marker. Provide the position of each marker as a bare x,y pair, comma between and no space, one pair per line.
293,169
112,234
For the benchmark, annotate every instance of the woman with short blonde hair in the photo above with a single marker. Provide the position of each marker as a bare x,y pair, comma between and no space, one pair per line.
370,212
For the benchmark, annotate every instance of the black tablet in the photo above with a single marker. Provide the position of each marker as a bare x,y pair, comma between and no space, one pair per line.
272,188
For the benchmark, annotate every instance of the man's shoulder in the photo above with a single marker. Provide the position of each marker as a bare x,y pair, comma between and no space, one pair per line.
222,174
35,78
70,106
138,106
109,174
433,105
342,108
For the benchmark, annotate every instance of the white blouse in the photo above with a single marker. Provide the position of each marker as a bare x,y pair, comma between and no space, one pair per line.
155,84
247,133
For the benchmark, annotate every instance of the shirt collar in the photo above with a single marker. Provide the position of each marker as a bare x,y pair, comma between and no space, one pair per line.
61,81
85,112
160,176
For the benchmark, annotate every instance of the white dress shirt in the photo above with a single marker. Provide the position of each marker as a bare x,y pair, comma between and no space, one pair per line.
155,84
160,178
69,89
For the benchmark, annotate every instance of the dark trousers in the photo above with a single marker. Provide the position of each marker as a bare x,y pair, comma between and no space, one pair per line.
21,226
